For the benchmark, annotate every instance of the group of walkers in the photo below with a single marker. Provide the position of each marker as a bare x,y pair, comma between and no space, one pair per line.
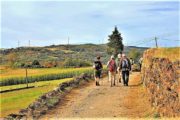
122,67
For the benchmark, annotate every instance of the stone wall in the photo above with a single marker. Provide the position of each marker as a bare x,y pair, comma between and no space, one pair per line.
161,78
48,100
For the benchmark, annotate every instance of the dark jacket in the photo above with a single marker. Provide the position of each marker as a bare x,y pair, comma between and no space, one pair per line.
98,65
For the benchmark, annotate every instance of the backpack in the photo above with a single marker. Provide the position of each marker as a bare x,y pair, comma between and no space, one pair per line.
125,63
97,65
112,66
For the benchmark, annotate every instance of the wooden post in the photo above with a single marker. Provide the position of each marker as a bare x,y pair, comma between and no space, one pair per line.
26,79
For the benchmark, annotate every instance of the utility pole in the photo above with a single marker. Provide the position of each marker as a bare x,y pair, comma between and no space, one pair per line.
156,42
29,43
18,43
68,44
68,40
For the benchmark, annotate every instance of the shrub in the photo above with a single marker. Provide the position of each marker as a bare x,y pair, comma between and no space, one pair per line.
35,62
76,63
135,54
17,65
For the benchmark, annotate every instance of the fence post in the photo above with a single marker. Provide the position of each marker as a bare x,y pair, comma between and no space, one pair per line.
26,79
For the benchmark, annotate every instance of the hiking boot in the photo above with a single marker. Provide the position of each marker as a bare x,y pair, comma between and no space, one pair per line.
96,83
126,84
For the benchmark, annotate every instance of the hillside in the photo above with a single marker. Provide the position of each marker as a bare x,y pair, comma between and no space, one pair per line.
57,54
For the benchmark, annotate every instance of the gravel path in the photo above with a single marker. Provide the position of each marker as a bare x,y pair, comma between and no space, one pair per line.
104,101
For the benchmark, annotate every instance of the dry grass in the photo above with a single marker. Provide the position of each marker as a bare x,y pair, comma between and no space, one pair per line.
172,54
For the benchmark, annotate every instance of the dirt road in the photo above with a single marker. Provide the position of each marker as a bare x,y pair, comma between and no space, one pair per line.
104,101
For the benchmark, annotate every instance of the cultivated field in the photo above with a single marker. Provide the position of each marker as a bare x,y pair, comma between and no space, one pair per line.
43,80
17,76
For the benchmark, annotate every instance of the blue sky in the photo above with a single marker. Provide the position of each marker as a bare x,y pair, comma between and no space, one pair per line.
46,23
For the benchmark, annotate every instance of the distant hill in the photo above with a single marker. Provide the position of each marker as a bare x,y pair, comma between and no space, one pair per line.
59,53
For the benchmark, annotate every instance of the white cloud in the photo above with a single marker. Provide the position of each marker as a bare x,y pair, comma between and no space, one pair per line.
50,22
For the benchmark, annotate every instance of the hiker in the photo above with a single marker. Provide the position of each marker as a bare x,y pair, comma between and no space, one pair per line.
125,67
118,68
131,61
140,62
112,70
98,68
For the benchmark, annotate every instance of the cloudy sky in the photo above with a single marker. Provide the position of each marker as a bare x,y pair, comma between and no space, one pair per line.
46,23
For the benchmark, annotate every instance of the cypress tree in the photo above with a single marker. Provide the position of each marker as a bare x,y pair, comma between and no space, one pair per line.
115,45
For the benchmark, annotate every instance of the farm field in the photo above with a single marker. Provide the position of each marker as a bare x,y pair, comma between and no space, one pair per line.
35,84
17,76
19,72
24,97
12,102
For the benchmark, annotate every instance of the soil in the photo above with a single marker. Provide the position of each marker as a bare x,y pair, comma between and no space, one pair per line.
103,101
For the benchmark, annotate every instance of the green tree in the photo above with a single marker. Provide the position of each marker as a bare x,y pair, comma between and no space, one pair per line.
134,53
35,62
12,59
115,44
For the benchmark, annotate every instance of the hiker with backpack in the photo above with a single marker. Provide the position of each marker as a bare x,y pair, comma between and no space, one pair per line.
132,63
112,70
125,67
118,67
98,69
140,62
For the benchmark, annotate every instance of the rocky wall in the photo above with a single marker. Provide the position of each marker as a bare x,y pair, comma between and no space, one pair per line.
161,78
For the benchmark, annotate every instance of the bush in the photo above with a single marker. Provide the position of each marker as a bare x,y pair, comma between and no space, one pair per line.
76,63
17,65
35,63
50,64
134,54
27,66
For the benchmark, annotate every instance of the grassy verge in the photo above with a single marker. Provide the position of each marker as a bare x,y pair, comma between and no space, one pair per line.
35,84
171,53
